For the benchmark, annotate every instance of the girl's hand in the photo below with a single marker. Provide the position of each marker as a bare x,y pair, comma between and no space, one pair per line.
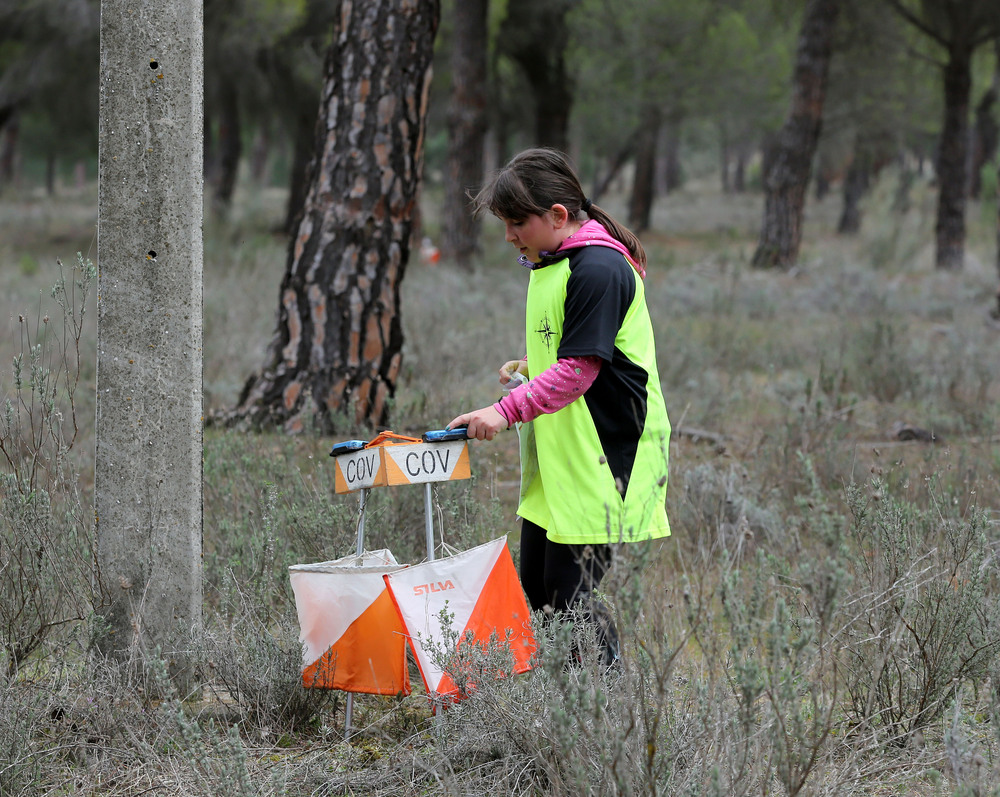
510,367
483,424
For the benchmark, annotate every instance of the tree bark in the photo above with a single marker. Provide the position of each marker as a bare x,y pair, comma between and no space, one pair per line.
467,126
337,348
787,179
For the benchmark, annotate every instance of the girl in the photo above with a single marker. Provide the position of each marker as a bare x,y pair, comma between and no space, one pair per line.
592,422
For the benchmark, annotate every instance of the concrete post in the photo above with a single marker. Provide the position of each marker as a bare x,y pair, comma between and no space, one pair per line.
148,480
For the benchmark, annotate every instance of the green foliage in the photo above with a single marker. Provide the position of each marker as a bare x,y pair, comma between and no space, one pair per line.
739,60
674,73
28,265
48,71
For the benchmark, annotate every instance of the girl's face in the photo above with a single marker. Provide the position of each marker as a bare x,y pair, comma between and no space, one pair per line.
536,234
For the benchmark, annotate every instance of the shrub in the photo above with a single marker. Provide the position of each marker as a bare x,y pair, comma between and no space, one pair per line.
926,618
45,544
23,709
250,648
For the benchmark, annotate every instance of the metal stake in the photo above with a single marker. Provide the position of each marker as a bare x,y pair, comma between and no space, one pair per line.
429,521
359,550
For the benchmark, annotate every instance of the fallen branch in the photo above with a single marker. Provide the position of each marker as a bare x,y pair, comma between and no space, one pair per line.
700,436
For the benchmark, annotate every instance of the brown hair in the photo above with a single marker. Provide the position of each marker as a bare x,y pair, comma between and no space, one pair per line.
535,180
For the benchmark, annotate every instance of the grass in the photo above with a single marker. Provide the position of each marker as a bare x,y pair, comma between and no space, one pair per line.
824,619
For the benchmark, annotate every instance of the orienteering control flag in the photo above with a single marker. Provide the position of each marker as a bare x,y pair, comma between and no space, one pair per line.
480,590
351,634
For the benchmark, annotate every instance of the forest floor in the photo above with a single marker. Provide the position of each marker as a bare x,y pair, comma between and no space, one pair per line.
835,428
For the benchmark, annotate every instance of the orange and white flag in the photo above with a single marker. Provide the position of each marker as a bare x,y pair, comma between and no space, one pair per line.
481,593
351,633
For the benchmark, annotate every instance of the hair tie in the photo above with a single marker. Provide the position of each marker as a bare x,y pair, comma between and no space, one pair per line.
586,205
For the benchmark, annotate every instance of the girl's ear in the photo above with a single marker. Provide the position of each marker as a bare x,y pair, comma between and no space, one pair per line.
560,215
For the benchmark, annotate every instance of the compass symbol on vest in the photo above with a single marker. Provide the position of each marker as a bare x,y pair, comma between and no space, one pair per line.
546,332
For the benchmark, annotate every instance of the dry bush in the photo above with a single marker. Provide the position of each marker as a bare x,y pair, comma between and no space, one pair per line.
45,543
250,660
927,622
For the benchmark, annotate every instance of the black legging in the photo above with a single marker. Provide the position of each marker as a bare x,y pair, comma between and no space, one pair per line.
560,576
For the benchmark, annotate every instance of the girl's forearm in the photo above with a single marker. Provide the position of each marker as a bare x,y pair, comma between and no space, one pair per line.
560,384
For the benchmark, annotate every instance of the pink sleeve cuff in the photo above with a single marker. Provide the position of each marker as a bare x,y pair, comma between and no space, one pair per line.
560,384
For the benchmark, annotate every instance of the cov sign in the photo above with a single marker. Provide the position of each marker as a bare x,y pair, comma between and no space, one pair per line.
426,462
412,462
359,469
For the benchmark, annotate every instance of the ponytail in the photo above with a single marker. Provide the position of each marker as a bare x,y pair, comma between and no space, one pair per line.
622,234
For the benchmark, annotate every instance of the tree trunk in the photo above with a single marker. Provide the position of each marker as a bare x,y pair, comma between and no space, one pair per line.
302,153
534,35
872,151
822,184
951,166
788,178
725,158
855,186
995,312
467,125
641,204
998,235
337,347
986,133
50,174
673,175
8,149
614,167
996,86
743,153
230,149
260,156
